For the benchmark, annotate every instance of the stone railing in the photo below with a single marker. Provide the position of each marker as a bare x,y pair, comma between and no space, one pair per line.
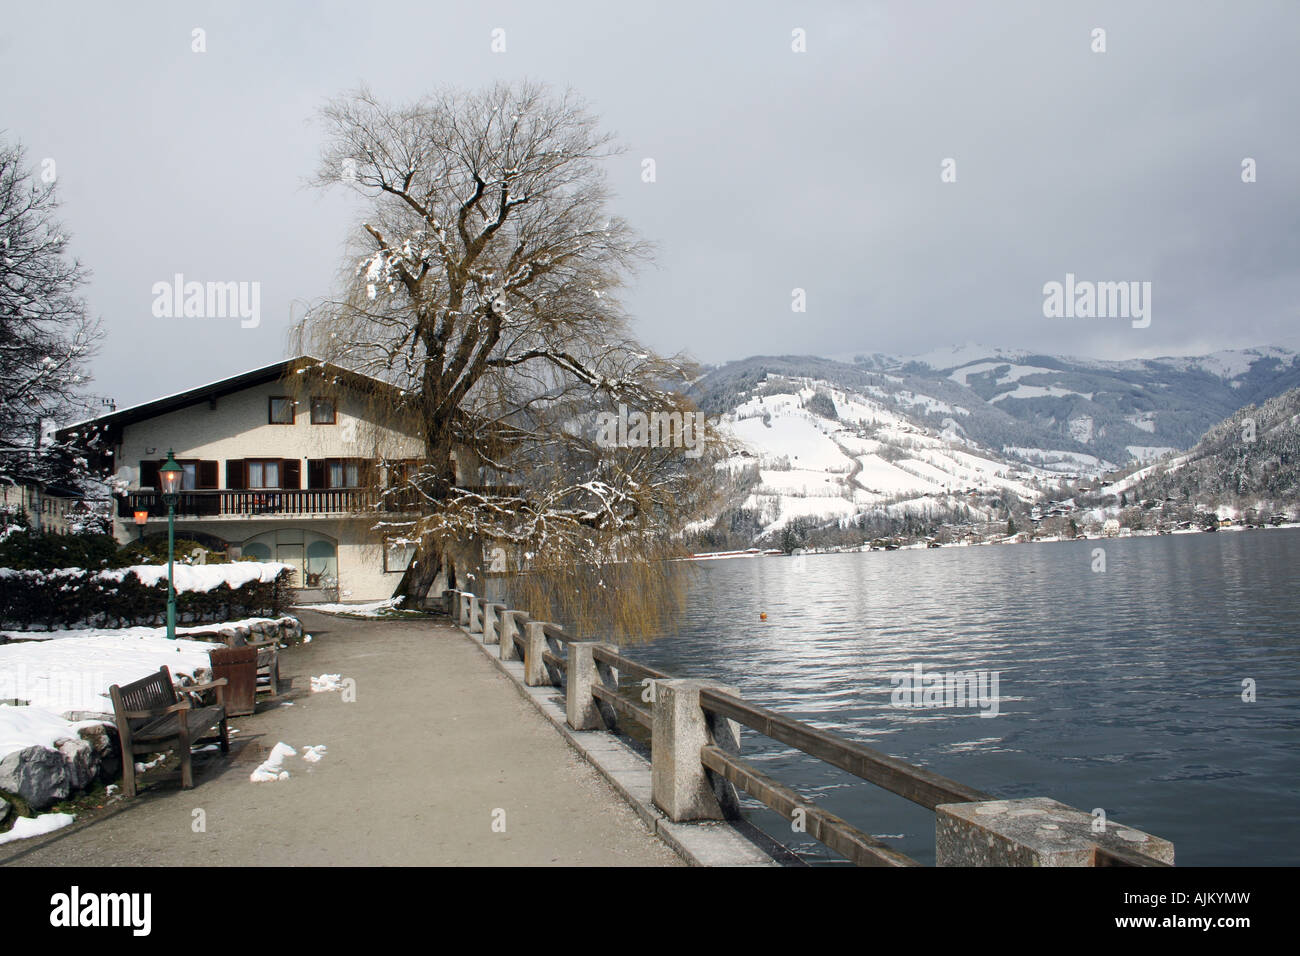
697,771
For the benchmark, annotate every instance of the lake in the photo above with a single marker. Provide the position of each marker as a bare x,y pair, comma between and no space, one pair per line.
1119,689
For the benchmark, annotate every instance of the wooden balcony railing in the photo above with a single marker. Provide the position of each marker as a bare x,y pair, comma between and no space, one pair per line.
271,501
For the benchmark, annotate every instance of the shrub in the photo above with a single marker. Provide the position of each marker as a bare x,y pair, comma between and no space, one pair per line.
80,597
33,551
153,550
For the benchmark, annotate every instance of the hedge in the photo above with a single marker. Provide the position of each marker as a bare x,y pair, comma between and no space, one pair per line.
80,597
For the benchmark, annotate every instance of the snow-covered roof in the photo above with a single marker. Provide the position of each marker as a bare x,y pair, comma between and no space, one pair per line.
234,383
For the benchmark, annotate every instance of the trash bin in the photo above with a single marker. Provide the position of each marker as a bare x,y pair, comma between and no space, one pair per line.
238,665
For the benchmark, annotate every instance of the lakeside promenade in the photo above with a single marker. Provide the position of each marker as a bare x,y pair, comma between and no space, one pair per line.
437,747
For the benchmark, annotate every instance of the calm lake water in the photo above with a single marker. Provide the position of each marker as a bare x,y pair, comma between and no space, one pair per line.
1120,690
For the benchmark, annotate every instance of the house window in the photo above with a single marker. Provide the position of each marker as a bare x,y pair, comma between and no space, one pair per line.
398,553
344,473
280,411
322,411
264,474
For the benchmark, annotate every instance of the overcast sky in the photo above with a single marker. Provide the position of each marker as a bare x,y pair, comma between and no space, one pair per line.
775,170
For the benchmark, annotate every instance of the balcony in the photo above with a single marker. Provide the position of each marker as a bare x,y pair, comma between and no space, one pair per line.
259,503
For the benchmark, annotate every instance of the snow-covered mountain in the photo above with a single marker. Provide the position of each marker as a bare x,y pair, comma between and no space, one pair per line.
814,451
960,434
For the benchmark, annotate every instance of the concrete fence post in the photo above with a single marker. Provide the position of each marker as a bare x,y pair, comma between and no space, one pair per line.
492,622
465,599
1033,831
475,615
581,709
535,673
511,622
680,785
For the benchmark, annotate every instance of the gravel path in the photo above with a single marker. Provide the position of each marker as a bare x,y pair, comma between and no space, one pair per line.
436,748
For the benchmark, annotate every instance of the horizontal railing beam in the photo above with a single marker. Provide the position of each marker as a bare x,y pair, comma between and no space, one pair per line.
623,706
845,839
897,776
630,667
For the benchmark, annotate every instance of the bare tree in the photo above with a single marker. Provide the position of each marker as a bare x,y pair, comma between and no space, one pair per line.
46,336
483,287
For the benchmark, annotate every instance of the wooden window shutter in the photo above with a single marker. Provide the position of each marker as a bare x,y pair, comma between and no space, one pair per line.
207,476
236,475
291,473
316,473
149,474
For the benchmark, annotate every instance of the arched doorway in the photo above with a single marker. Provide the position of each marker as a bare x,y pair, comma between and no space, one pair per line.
312,555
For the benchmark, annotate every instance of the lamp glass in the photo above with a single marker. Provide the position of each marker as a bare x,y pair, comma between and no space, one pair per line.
170,475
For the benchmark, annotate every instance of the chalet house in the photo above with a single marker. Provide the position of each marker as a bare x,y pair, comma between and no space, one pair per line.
271,473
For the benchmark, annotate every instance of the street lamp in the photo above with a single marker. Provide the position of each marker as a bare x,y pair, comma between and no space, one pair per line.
170,475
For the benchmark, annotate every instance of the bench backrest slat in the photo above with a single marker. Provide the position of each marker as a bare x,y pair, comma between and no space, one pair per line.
148,693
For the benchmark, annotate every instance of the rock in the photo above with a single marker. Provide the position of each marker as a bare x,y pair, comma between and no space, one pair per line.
83,762
6,808
103,741
38,775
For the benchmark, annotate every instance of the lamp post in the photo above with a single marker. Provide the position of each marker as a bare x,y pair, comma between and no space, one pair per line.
170,476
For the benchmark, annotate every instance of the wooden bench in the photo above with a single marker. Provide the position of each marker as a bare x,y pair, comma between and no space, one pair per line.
150,715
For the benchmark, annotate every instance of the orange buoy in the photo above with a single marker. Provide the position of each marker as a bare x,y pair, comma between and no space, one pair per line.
762,615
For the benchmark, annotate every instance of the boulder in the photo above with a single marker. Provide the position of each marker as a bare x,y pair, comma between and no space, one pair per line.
6,808
38,775
83,762
103,741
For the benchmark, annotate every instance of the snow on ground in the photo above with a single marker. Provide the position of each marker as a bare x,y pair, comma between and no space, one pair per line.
72,677
23,727
1039,391
1014,372
1146,421
1056,460
372,609
796,438
1149,452
800,483
1124,484
272,768
25,828
886,478
1229,363
1081,429
961,355
326,682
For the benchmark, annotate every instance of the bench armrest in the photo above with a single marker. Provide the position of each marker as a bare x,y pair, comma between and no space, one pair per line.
195,688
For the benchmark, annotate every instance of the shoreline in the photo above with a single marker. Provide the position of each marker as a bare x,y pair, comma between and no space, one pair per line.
926,546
